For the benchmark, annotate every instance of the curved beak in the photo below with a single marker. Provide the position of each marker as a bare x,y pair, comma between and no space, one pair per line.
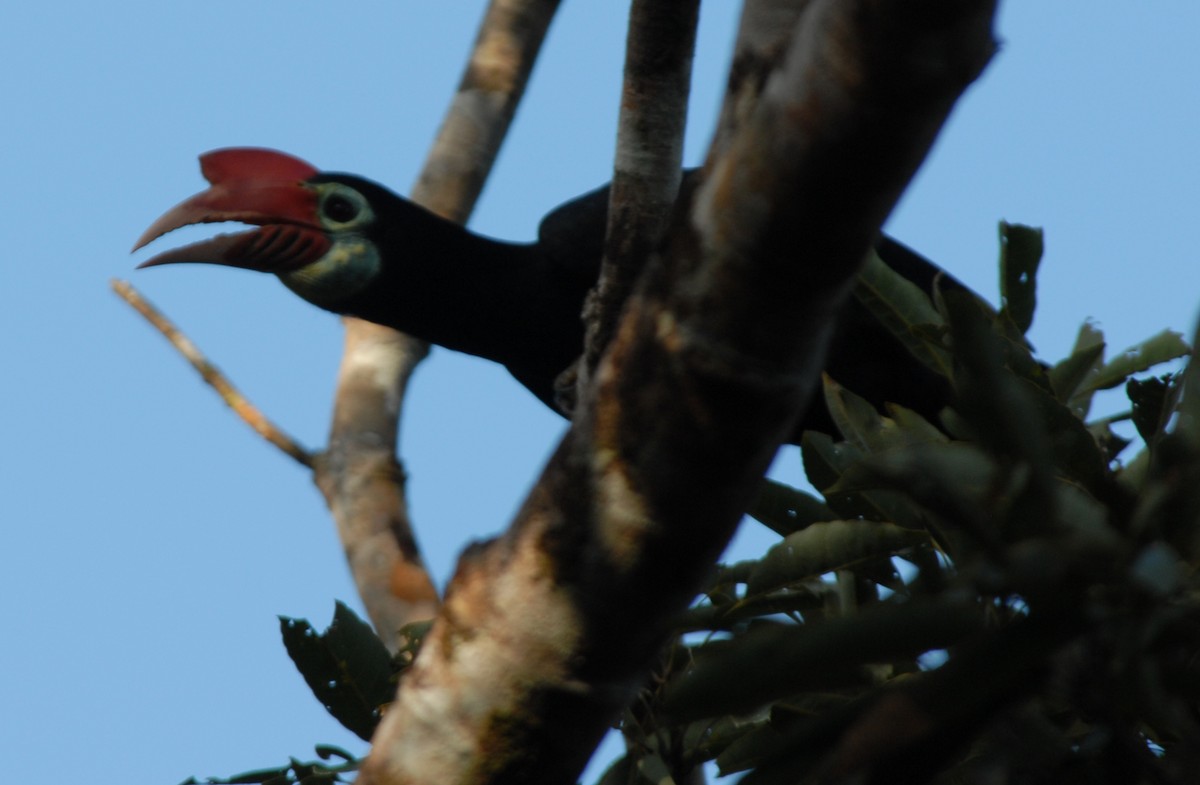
264,188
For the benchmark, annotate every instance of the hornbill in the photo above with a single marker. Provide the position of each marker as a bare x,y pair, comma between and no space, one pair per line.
353,247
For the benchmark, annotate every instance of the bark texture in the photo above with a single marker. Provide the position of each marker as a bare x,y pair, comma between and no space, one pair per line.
359,473
362,479
649,157
546,632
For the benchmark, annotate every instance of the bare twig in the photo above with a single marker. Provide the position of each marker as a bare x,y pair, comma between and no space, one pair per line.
546,632
248,412
361,478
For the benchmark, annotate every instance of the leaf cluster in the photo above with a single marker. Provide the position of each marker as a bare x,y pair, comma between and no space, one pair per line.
322,772
995,597
350,671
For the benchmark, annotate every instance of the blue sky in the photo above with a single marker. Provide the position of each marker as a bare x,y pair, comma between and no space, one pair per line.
150,539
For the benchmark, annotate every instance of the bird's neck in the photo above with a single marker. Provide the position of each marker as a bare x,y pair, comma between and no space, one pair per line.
451,287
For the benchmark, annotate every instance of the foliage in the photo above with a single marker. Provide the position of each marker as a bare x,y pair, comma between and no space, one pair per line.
321,772
997,597
351,673
348,668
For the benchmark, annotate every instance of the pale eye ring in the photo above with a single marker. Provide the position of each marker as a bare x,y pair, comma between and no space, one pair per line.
340,208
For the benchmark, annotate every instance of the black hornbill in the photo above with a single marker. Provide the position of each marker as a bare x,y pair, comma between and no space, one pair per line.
351,246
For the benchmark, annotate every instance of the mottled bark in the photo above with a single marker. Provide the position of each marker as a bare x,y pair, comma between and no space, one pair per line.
546,632
360,474
363,481
510,37
649,157
763,33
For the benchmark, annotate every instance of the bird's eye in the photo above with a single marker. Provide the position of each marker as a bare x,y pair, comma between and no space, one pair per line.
340,209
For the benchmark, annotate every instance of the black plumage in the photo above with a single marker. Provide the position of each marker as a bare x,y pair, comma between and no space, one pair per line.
520,304
354,247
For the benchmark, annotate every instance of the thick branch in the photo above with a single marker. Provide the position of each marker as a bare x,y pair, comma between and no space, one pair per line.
762,38
545,633
360,475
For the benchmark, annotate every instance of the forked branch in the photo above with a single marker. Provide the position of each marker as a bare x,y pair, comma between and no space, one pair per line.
646,173
360,474
546,632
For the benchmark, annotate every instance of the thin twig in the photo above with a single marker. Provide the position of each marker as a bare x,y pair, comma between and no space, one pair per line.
232,397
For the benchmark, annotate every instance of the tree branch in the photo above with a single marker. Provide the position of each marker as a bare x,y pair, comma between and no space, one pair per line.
248,412
363,482
360,475
545,633
762,38
510,37
646,174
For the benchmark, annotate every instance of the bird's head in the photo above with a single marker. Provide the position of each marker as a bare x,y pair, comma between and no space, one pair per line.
314,229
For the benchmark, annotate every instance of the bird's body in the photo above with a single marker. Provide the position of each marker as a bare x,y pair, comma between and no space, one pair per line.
514,303
353,247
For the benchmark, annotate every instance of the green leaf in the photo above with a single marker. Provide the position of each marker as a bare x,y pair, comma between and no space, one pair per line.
1161,348
785,509
1188,407
919,430
348,668
1110,442
824,459
258,776
1073,448
904,309
1069,373
805,745
775,661
862,425
1085,518
911,730
998,404
1149,399
731,615
706,739
619,772
953,481
1080,400
789,748
1169,505
1020,254
296,772
653,770
800,731
825,547
824,463
327,751
881,568
858,421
